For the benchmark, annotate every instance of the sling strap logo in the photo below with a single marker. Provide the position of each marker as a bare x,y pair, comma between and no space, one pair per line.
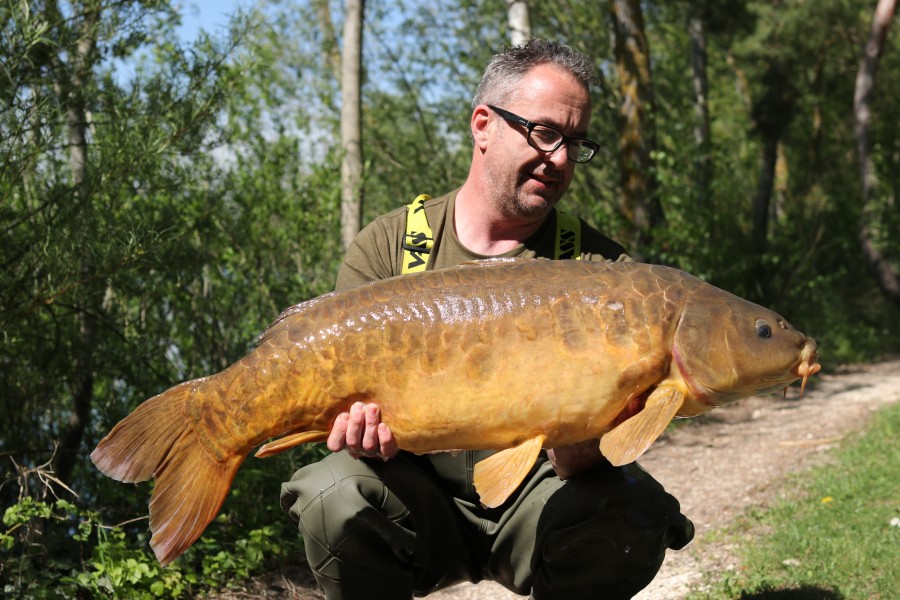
417,242
566,244
568,237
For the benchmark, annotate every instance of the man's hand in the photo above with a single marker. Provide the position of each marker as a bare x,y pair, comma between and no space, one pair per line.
569,461
362,433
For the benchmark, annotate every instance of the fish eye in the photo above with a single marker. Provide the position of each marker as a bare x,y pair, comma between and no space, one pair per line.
763,329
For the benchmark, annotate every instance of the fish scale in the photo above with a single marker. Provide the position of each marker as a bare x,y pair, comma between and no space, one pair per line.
505,355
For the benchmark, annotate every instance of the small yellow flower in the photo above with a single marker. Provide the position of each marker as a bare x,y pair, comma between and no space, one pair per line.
827,499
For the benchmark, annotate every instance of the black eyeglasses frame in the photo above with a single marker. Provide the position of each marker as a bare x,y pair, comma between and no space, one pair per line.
580,143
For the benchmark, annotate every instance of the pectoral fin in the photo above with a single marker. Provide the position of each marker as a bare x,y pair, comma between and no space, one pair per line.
290,441
630,439
498,476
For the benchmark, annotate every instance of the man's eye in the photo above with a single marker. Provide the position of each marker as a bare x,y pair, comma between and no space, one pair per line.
547,136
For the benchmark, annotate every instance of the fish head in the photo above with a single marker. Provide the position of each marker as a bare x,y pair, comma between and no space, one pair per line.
727,348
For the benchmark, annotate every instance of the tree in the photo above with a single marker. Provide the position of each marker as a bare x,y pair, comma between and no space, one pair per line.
351,122
699,79
53,198
71,74
122,260
772,113
707,19
885,274
519,23
330,48
637,134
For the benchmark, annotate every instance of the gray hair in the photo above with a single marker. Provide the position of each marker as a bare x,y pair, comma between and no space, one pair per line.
507,68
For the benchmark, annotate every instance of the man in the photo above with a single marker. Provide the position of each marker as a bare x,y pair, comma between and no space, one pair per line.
390,525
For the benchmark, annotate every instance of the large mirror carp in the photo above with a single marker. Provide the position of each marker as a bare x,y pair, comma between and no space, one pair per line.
510,355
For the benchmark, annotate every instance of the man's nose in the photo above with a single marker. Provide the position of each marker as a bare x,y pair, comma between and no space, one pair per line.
559,157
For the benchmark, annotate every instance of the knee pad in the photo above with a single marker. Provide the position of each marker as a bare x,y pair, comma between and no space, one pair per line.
611,546
337,498
353,531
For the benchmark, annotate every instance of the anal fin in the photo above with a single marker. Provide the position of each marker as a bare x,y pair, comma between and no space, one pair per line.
630,439
290,441
498,476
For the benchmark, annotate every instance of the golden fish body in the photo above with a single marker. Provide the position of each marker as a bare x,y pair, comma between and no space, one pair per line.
506,355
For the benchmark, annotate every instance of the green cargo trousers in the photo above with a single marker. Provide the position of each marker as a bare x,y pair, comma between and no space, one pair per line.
385,530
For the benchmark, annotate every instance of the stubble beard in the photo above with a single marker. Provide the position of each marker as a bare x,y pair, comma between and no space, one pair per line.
525,206
529,209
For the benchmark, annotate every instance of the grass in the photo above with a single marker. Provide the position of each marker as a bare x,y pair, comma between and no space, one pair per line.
838,538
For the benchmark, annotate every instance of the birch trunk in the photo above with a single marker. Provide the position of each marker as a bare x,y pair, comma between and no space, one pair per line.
519,23
351,123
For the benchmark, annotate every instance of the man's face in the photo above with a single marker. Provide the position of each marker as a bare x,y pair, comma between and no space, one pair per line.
527,183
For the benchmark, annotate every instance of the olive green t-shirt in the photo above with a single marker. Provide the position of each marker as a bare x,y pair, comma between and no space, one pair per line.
377,251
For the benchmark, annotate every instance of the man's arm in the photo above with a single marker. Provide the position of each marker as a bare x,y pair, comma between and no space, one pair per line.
569,461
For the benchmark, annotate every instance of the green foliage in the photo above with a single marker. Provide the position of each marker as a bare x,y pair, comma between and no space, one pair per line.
118,562
19,540
839,535
210,202
117,569
194,228
811,271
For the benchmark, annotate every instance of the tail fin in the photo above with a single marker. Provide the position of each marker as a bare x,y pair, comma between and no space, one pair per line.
156,440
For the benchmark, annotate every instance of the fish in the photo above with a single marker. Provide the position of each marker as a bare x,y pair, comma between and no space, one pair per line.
509,355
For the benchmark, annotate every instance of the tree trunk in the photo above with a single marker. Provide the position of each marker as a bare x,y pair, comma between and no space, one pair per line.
71,85
772,113
763,199
519,23
351,123
637,134
702,161
883,271
331,53
741,86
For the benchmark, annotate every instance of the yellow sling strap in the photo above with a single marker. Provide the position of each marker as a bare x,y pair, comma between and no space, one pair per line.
418,240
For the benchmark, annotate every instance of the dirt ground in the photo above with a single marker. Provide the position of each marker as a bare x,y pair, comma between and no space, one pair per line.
725,463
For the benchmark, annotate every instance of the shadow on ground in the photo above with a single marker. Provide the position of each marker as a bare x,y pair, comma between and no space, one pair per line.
805,592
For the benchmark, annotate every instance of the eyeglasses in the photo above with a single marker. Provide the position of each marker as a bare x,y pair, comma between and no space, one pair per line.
546,139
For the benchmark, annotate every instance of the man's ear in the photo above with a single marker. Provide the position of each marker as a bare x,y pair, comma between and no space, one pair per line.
481,125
